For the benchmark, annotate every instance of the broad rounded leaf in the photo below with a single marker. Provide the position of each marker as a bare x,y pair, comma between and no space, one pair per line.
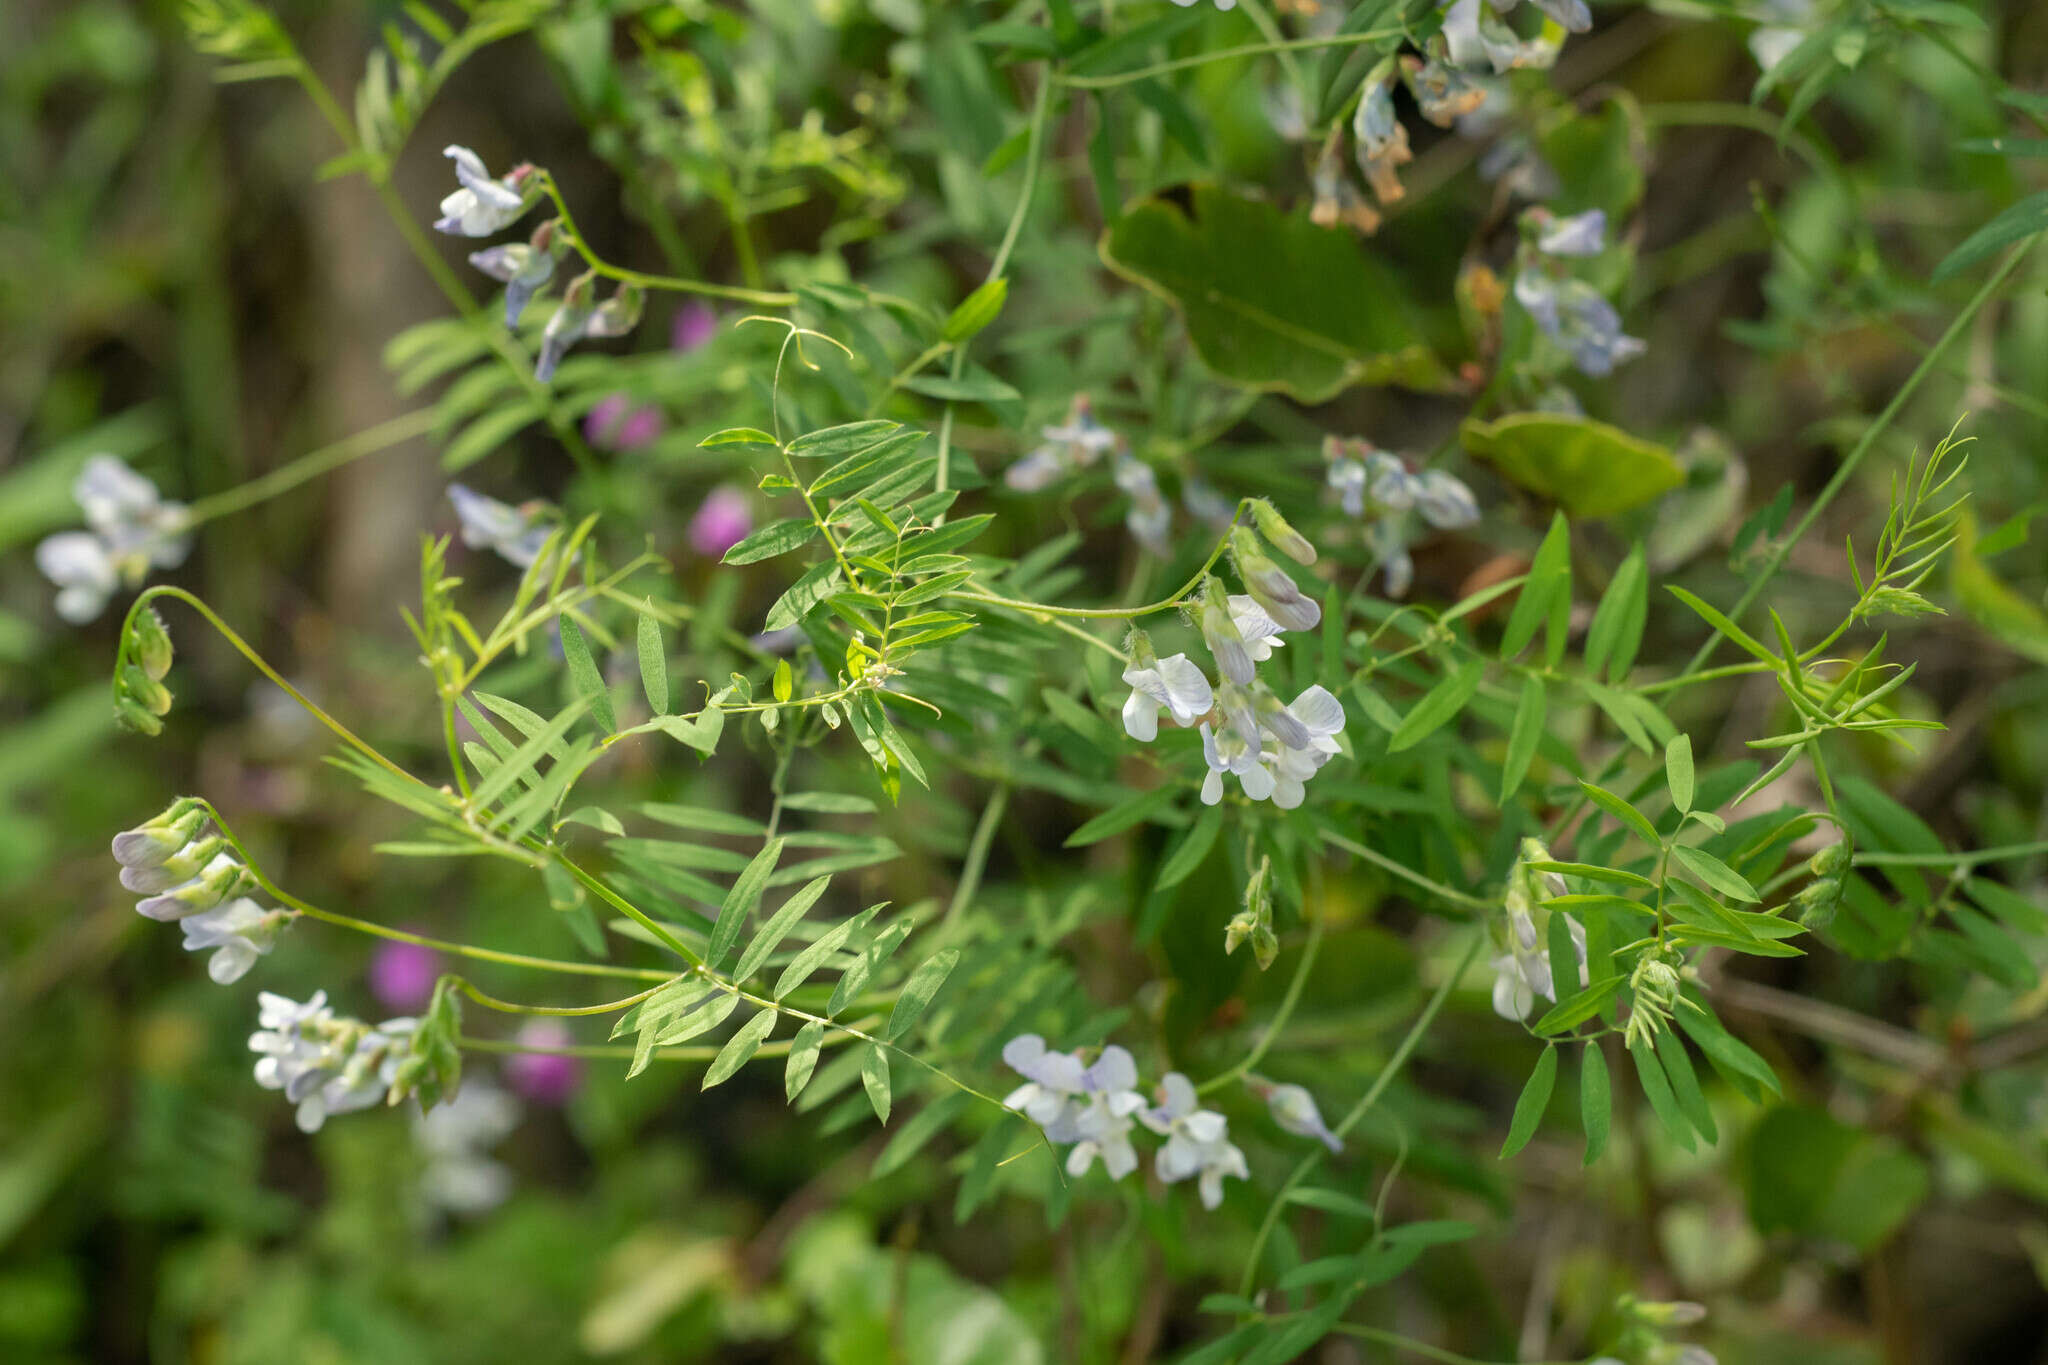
1589,468
1273,301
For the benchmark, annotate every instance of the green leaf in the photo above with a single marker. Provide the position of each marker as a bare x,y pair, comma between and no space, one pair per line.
731,436
1550,575
811,958
1523,737
740,901
1685,1084
1273,301
1714,617
918,991
1593,872
815,586
834,442
653,665
1193,847
803,1059
489,432
2024,219
584,675
1714,872
976,311
1678,772
1617,629
522,760
1438,705
1529,1108
1624,812
777,928
1123,815
1576,1009
874,1078
1596,1103
1657,1089
1733,1058
1588,468
776,538
740,1048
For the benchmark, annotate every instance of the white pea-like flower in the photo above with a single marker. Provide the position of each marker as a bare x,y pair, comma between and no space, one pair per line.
1088,1105
1197,1140
175,870
130,529
516,533
236,933
1258,632
1174,684
1229,753
482,206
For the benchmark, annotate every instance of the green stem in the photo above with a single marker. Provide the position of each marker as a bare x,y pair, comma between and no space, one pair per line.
1271,1033
1222,54
1399,869
311,465
1359,1110
491,1002
675,284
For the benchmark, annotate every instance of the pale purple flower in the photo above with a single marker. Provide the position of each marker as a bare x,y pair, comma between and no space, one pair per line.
516,533
1582,234
722,520
402,975
236,933
550,1078
615,424
454,1137
130,530
1579,318
1197,1140
696,323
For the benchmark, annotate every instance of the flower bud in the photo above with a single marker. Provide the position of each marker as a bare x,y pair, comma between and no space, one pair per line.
221,878
181,866
1270,586
570,321
618,314
1274,527
1220,633
1675,1313
135,718
150,644
153,842
145,691
1831,861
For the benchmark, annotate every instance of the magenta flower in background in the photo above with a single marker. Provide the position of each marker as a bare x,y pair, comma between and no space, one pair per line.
694,326
402,975
615,424
722,522
541,1077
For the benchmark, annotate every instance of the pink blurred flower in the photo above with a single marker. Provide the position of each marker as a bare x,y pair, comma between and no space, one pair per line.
694,326
402,975
614,424
544,1078
722,522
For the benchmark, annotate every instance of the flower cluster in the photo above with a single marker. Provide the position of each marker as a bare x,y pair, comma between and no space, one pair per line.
1096,1106
130,530
196,879
483,206
324,1063
1564,308
1080,442
1522,969
1273,747
1381,489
